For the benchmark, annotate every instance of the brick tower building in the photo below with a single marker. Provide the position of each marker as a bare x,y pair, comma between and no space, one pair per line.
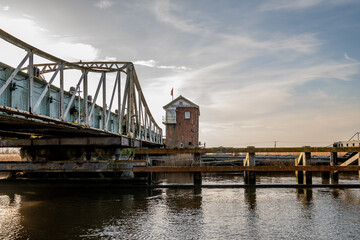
182,123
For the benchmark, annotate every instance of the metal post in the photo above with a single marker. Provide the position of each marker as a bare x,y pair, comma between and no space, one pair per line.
140,114
104,102
62,92
111,101
119,101
95,97
145,126
31,80
85,96
129,110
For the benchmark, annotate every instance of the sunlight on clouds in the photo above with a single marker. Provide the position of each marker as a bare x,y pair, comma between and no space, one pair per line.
147,63
74,51
104,4
154,64
165,10
29,31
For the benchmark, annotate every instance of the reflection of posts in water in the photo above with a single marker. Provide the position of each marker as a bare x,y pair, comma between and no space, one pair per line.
250,176
305,195
325,177
334,176
303,177
197,178
250,197
335,193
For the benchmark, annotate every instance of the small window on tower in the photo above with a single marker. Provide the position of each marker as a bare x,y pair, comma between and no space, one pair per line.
187,115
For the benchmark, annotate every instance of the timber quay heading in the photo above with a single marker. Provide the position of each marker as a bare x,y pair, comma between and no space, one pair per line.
303,167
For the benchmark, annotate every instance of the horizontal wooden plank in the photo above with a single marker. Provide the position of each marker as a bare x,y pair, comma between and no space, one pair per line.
175,169
246,150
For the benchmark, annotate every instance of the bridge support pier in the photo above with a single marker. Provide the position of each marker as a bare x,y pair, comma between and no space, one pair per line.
334,176
64,153
250,176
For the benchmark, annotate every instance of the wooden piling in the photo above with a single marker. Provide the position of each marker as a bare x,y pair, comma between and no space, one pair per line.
250,176
307,162
299,174
197,178
334,175
303,177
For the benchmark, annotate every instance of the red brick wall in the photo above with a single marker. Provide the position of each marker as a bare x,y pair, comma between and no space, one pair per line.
185,131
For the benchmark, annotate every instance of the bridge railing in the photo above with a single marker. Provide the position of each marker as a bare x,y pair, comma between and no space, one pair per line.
30,92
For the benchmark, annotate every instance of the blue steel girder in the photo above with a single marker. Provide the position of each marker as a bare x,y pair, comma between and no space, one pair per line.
27,97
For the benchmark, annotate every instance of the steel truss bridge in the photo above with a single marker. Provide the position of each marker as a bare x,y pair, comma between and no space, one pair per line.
33,109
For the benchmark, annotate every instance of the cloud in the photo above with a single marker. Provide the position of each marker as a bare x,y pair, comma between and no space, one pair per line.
165,11
6,8
110,59
293,5
289,5
34,34
104,4
154,64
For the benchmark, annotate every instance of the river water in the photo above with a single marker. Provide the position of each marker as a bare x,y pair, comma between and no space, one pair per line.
65,211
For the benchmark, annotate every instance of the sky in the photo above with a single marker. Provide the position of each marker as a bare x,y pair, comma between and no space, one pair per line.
260,71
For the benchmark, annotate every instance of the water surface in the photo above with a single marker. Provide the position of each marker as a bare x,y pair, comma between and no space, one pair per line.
54,211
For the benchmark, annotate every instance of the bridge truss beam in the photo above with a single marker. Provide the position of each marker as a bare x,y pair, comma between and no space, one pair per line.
31,94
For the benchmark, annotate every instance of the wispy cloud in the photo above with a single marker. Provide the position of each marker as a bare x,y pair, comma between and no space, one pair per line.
5,8
104,4
154,64
167,12
274,5
31,32
289,5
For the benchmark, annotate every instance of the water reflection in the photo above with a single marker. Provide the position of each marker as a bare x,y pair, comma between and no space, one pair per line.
10,217
250,198
305,196
103,212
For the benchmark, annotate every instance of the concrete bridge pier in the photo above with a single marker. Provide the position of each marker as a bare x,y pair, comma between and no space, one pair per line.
250,176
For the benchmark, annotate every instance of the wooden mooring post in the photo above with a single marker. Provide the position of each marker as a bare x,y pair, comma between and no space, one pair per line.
250,176
304,159
334,175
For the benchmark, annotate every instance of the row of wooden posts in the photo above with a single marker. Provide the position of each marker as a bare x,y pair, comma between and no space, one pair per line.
303,166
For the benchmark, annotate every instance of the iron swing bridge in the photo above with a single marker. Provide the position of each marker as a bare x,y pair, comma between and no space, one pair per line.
33,111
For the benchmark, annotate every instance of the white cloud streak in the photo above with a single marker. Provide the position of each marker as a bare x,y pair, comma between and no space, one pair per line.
289,5
293,5
104,4
29,31
154,64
